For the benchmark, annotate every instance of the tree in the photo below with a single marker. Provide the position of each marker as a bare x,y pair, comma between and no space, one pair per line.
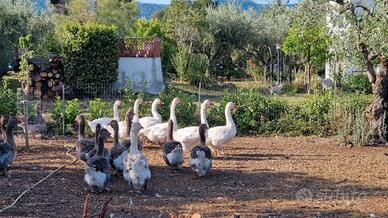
153,28
18,18
121,13
311,43
91,56
368,24
270,28
230,30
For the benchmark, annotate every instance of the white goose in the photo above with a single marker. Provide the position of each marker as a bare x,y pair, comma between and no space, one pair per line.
219,135
136,171
158,133
104,121
123,124
156,118
136,116
189,136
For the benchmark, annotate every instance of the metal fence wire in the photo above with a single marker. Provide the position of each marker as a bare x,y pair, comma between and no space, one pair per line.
37,106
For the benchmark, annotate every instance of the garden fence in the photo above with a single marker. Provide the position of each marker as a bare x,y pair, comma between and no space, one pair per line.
110,93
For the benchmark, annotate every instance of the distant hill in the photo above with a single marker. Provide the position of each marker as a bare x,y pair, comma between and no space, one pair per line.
147,10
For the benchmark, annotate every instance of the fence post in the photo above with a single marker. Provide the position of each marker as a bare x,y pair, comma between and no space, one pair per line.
199,92
25,105
63,109
334,100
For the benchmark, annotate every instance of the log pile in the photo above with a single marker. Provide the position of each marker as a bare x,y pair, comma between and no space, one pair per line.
45,83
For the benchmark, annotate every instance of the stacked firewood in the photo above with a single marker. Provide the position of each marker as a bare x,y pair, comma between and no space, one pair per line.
46,83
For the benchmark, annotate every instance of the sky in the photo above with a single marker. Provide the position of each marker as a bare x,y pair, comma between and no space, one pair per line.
168,1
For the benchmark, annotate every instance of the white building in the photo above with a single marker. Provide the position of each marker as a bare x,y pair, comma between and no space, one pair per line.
140,62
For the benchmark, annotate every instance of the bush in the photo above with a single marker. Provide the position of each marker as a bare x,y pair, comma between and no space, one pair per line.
353,125
99,108
91,56
71,111
254,113
318,108
186,111
8,100
358,83
294,88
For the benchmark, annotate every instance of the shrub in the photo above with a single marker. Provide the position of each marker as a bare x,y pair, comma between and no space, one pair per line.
358,83
71,111
318,107
8,100
191,67
99,108
253,114
186,111
91,56
353,125
197,70
294,88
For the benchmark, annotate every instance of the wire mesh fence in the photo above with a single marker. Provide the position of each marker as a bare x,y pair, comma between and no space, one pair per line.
219,91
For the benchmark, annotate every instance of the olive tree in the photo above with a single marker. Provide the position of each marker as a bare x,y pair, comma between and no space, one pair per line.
368,25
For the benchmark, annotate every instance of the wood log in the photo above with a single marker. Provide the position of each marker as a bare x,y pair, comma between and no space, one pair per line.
57,75
36,78
38,85
54,88
50,83
50,74
37,93
43,74
55,71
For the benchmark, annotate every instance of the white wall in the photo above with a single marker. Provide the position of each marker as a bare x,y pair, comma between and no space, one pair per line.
141,69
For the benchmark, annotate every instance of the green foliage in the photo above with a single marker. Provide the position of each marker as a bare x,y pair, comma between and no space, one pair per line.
318,107
186,111
191,67
91,55
99,108
71,111
254,113
119,13
294,88
353,124
8,100
358,83
19,18
25,54
229,30
310,43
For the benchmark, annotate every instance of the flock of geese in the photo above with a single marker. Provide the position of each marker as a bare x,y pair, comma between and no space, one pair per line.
126,157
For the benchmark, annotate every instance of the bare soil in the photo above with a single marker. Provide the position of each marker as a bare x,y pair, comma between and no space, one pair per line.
255,177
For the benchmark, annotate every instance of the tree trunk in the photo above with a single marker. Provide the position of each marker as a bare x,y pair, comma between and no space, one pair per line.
377,110
307,80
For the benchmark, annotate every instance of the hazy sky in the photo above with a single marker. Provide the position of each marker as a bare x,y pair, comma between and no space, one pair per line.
168,1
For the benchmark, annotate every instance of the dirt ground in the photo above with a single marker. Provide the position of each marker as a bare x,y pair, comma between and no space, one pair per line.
255,177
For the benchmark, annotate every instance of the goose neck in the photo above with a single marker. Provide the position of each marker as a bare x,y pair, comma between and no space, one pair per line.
154,110
134,149
9,136
116,114
115,136
229,118
100,147
173,116
81,131
203,115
